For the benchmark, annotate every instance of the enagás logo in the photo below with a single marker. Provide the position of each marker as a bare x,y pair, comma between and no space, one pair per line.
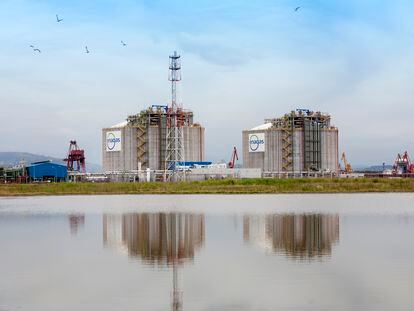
113,141
256,142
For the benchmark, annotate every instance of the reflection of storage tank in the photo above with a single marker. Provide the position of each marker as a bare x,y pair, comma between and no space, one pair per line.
112,232
160,238
297,236
164,239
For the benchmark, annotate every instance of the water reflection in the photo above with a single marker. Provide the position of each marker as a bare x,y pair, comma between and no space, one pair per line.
296,236
159,238
164,239
76,222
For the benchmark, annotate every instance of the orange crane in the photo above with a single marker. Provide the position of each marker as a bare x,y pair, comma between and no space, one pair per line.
347,166
234,157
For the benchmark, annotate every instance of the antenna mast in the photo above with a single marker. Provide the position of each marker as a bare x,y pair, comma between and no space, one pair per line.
175,123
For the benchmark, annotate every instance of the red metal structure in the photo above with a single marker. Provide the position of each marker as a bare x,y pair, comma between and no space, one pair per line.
234,157
75,155
403,164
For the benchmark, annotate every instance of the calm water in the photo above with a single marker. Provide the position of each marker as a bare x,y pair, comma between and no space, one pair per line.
295,252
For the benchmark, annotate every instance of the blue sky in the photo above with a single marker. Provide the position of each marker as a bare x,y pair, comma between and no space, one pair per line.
243,61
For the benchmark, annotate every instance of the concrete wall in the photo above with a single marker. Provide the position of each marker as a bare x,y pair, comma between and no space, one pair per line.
220,173
329,149
253,159
153,148
298,151
124,159
273,160
194,143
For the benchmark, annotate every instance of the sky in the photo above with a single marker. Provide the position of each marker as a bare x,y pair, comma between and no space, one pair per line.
242,62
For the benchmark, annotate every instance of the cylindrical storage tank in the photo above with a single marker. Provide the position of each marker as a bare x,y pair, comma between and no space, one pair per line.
310,130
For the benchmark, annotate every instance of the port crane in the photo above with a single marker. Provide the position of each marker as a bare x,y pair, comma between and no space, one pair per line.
403,165
75,155
347,166
233,158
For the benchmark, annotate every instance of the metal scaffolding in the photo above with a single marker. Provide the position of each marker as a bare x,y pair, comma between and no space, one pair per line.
155,116
312,145
287,145
142,146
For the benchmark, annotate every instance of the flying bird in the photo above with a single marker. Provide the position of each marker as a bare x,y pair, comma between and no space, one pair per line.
86,50
123,43
297,8
35,49
58,19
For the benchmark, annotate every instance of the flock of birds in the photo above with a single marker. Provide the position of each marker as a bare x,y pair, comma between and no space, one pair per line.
58,20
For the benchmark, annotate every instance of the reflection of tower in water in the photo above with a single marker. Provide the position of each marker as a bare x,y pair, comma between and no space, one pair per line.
165,239
297,236
76,222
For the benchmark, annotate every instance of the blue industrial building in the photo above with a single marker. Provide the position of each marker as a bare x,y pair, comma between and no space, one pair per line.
193,164
47,170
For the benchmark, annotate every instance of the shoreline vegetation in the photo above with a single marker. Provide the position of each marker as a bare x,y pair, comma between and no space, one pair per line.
225,186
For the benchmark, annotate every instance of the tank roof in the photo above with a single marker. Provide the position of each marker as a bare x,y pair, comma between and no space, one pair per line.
122,124
264,126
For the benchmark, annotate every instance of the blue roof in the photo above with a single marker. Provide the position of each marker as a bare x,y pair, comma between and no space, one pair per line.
46,170
39,162
192,163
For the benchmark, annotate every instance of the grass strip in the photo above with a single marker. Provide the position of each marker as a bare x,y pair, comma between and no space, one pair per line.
225,186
